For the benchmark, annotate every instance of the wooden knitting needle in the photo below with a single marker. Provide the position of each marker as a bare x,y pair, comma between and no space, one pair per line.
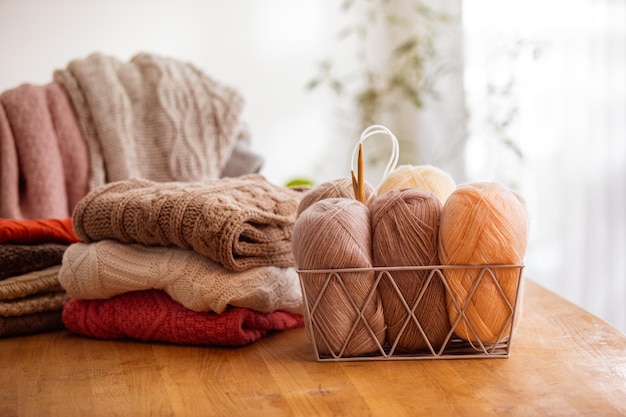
355,185
361,175
358,185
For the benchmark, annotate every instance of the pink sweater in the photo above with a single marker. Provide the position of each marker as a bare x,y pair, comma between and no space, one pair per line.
44,158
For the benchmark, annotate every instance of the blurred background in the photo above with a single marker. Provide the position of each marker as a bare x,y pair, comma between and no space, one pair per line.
531,94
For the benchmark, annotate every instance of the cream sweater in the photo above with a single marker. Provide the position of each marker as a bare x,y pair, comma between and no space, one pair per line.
108,268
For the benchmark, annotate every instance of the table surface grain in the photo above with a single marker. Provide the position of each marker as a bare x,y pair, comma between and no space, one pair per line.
564,362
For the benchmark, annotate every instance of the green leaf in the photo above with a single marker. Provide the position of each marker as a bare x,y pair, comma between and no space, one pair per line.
406,46
300,182
313,84
336,86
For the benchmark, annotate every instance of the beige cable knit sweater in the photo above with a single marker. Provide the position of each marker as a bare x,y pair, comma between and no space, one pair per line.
108,268
241,222
152,117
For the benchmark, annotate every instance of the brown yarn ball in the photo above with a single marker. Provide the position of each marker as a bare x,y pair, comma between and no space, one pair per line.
337,188
333,234
405,230
481,224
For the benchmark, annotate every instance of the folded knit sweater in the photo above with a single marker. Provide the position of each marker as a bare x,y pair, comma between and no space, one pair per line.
21,287
39,303
20,259
44,158
152,117
31,252
241,222
31,323
33,231
108,268
152,315
34,292
31,303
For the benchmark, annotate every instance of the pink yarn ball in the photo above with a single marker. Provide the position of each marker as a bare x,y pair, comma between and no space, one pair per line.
337,188
333,234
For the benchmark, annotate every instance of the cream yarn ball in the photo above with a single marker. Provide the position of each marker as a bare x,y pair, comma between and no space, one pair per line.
423,177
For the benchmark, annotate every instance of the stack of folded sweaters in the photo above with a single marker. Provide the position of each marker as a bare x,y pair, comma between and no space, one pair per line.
149,162
205,262
31,252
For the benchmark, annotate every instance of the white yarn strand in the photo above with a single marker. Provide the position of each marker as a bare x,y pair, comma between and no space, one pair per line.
370,132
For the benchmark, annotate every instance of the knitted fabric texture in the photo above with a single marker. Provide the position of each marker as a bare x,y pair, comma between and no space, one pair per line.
152,117
35,304
31,293
20,259
37,231
43,155
31,323
108,268
31,302
242,222
36,282
152,315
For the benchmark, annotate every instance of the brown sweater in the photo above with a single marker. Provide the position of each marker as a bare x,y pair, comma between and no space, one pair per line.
241,222
21,259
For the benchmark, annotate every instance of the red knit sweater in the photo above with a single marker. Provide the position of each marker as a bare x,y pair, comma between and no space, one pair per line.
152,315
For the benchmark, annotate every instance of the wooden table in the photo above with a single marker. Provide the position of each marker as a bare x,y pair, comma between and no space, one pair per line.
564,362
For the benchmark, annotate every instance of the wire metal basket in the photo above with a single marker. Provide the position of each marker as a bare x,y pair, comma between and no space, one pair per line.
315,286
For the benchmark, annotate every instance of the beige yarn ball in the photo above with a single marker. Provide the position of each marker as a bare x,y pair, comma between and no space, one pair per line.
423,177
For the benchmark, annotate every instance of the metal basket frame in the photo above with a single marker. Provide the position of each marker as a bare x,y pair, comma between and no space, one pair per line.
453,347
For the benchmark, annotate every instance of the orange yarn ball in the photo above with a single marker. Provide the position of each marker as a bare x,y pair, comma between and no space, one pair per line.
423,177
482,224
405,230
334,234
337,188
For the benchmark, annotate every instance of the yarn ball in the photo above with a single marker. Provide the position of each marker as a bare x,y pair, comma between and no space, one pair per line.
423,177
333,234
483,224
337,188
405,232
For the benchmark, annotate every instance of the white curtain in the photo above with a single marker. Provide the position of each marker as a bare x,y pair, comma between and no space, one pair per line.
551,78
